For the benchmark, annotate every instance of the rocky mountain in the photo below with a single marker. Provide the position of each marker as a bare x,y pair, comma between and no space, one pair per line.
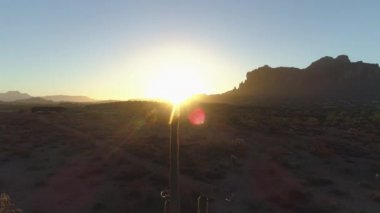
327,79
13,96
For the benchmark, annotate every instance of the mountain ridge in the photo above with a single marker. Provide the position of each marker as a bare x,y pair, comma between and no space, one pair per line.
68,98
326,79
16,96
13,96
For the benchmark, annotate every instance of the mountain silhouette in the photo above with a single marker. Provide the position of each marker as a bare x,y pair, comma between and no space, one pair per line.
33,100
16,96
13,96
67,98
327,79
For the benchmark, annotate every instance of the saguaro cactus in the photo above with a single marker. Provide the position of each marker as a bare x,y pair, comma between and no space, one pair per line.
202,204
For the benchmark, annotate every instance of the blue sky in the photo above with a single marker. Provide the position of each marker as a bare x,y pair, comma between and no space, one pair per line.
108,49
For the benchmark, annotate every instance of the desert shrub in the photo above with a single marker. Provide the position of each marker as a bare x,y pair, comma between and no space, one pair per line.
40,183
239,122
339,193
322,150
21,153
253,206
153,147
6,205
275,124
290,164
214,174
159,181
196,161
376,117
312,121
366,185
375,196
99,206
319,181
132,173
291,199
326,205
91,172
350,150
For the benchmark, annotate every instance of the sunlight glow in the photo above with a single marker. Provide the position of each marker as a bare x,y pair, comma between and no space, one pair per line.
174,71
175,85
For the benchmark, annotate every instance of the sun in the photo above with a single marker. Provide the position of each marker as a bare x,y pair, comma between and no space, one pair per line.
176,84
174,71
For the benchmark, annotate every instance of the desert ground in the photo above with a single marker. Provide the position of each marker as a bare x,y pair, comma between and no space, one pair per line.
114,157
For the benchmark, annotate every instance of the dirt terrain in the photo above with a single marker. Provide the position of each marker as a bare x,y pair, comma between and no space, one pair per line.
114,158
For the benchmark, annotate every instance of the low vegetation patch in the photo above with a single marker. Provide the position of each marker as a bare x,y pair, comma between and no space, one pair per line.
7,206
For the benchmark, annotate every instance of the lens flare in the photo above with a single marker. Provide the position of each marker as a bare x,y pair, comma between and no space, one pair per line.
197,116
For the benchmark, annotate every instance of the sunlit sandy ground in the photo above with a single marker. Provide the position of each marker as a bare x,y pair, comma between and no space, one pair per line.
114,158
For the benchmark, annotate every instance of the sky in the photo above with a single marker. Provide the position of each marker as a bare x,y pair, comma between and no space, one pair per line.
119,49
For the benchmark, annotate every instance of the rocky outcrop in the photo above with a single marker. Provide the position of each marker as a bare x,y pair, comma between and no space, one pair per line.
327,79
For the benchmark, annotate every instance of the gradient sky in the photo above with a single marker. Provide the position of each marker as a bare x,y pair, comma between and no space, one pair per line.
110,49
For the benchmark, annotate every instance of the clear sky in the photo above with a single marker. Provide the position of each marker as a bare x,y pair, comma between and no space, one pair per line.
109,49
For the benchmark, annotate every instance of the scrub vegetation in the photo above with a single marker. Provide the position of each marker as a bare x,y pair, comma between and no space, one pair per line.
114,157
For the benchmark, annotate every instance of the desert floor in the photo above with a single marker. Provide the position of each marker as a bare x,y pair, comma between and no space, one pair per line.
114,158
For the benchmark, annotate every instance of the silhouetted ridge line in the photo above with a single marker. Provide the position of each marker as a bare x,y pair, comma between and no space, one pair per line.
327,79
16,96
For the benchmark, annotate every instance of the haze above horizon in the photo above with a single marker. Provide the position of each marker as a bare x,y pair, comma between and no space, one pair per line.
127,49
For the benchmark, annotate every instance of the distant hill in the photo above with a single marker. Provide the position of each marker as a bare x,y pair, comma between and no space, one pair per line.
13,96
16,96
327,79
67,98
34,100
